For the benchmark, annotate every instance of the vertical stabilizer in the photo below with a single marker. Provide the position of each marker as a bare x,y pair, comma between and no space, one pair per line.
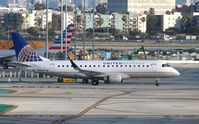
24,52
56,46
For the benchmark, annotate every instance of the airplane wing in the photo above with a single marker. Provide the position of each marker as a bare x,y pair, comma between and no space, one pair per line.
18,64
87,72
7,58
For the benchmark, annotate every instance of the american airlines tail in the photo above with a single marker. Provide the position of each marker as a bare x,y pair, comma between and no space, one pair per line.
24,52
56,46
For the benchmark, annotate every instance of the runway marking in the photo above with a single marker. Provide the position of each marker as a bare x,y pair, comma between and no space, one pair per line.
60,121
13,107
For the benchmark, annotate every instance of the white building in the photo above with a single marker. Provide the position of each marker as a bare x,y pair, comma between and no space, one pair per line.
102,1
22,3
4,10
37,18
29,20
195,18
137,22
172,20
188,2
140,6
122,22
104,19
15,9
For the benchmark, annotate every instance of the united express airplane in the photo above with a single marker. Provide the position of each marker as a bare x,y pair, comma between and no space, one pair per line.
110,71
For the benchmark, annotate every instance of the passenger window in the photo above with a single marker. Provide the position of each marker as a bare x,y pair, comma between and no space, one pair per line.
80,65
134,66
147,65
103,65
112,65
129,65
143,66
62,65
98,65
107,65
116,65
93,65
89,65
125,65
85,65
67,66
121,66
58,65
138,65
165,65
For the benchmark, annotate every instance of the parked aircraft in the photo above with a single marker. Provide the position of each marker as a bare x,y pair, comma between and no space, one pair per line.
107,70
7,56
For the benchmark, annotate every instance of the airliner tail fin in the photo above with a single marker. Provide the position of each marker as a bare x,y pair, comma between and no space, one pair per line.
24,52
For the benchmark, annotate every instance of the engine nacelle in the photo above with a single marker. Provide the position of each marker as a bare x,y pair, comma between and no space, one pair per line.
113,79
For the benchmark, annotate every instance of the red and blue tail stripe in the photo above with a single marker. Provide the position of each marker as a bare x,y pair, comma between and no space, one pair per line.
56,47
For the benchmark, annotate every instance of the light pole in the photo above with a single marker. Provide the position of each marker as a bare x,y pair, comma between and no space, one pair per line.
61,26
75,44
93,55
84,32
46,28
66,37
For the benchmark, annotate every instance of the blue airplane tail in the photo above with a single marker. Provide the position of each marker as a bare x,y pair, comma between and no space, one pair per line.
24,52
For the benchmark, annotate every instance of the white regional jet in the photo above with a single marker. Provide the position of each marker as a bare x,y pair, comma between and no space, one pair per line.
110,71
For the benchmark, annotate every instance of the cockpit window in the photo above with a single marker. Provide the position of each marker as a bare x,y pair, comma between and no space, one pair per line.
166,65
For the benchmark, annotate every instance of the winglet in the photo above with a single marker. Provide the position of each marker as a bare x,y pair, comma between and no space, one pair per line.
74,65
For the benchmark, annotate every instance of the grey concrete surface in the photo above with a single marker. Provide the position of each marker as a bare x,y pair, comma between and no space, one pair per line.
137,101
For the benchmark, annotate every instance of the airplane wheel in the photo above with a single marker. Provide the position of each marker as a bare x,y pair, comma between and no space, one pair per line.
95,83
157,83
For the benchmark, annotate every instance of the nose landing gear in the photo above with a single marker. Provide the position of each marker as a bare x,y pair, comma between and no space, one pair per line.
157,82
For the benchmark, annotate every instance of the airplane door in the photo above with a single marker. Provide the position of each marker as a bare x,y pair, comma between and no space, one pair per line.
154,67
52,66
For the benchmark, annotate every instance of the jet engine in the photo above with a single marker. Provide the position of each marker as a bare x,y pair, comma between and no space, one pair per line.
113,79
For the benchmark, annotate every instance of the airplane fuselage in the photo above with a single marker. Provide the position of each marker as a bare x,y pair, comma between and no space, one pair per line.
104,68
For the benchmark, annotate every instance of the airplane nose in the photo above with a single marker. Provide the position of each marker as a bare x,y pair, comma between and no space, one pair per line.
177,73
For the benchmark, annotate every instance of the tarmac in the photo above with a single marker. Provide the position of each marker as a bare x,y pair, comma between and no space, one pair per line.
136,101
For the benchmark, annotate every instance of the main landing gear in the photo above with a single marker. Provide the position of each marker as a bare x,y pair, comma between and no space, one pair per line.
157,82
93,82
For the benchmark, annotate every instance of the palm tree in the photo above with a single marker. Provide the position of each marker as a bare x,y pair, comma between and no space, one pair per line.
99,21
125,20
143,19
39,22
